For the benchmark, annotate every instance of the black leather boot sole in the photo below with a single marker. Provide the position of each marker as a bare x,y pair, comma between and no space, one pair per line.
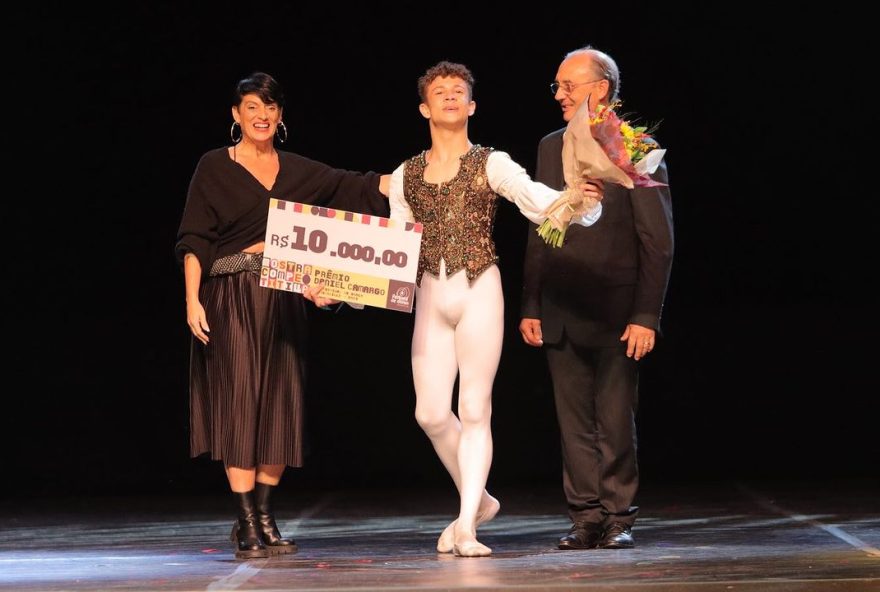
245,553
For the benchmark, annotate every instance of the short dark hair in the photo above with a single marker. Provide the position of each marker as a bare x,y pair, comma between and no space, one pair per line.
446,69
260,84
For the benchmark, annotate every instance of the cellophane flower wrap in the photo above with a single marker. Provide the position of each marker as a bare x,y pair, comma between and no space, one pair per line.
603,146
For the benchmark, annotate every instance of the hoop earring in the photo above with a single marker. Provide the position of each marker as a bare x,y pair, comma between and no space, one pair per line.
232,132
281,128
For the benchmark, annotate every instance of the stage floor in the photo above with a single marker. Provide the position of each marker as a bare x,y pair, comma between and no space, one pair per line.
724,537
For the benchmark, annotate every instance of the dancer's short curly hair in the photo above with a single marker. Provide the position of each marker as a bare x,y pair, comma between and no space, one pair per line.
446,69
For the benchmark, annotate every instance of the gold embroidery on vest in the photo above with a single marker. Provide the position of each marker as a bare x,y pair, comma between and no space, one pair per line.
458,215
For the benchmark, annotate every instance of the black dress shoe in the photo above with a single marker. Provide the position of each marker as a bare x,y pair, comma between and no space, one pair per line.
583,535
617,536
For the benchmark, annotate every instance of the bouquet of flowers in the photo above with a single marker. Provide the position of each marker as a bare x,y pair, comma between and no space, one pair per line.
603,146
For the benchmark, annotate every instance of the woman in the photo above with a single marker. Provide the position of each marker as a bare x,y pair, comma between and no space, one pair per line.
452,189
247,357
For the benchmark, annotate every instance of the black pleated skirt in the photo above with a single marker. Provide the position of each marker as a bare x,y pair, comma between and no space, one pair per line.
246,385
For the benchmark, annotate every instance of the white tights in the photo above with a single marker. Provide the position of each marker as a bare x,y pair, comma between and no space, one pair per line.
458,331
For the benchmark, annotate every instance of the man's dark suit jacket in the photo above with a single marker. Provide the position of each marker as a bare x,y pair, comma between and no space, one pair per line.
606,275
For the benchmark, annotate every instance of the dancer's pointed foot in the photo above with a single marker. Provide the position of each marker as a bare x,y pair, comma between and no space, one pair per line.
489,507
447,538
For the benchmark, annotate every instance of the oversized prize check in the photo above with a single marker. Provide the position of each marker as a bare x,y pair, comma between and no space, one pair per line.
359,258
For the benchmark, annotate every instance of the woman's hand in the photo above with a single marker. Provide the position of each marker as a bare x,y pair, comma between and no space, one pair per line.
197,321
313,292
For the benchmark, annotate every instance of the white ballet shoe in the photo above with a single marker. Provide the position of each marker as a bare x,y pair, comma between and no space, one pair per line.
471,549
446,542
447,539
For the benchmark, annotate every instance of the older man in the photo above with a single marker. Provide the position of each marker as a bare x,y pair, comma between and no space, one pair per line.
594,304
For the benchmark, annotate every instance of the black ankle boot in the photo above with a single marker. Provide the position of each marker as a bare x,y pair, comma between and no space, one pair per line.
266,522
246,532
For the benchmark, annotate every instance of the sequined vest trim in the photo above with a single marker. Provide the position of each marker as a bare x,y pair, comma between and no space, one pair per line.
458,215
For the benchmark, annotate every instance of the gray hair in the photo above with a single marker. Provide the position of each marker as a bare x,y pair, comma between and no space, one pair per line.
605,67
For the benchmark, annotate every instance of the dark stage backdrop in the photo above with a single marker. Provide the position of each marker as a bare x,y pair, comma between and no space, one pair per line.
765,369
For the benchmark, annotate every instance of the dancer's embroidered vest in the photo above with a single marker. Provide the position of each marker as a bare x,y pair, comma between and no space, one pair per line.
458,216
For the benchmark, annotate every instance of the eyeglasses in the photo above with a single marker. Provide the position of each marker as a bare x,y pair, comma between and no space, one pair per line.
568,87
